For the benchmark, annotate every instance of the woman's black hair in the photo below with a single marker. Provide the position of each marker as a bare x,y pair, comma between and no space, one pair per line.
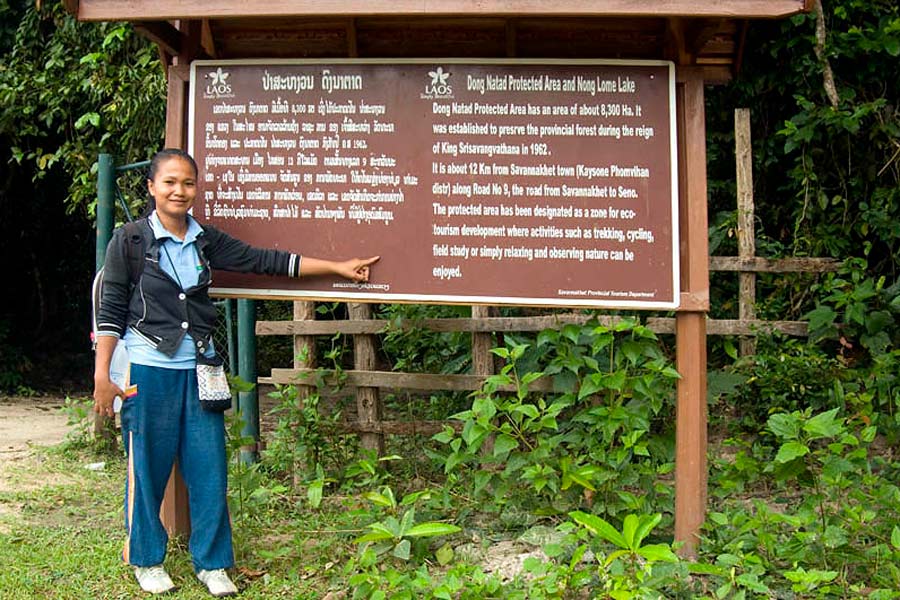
158,159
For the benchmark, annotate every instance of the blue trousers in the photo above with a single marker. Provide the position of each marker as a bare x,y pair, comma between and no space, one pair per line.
163,422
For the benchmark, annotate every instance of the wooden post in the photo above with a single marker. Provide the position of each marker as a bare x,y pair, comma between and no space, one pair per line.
743,150
304,358
368,402
174,512
482,358
483,362
690,325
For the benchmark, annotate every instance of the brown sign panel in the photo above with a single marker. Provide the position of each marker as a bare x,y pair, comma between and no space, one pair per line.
502,182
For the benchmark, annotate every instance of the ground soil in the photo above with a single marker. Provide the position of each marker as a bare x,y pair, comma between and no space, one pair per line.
24,424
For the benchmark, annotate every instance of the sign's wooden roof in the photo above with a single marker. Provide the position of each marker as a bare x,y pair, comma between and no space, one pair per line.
691,32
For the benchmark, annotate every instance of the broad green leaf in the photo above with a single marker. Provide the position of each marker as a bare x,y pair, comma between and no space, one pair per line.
379,499
647,523
406,522
629,526
444,554
578,476
657,553
824,424
529,410
598,526
314,493
785,426
504,444
401,550
432,529
895,537
790,451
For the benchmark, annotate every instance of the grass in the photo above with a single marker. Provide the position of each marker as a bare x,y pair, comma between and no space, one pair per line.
61,534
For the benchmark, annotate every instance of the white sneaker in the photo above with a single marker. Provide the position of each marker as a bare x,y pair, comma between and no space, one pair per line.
217,582
154,579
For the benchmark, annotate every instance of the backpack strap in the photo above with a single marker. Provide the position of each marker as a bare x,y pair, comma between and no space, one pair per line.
135,249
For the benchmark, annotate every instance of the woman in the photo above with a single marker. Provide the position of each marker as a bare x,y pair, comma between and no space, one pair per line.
165,318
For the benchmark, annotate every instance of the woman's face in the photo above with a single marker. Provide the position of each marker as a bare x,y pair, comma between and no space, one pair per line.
174,188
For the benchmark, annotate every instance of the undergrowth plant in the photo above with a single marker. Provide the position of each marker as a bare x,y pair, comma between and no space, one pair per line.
591,440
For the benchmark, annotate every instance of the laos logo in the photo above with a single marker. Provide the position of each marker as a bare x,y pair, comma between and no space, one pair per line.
217,85
438,85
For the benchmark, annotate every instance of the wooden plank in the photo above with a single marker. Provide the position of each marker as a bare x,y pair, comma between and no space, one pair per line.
400,427
163,34
774,265
746,230
392,380
523,324
368,402
753,327
485,325
176,106
690,335
134,10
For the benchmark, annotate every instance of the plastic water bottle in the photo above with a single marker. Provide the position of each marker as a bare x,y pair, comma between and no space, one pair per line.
118,371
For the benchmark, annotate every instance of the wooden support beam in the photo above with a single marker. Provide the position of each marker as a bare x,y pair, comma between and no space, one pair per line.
174,512
690,420
136,10
163,34
208,40
700,31
176,106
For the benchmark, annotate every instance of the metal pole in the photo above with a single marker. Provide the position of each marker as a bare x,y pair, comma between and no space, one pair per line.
248,401
106,197
229,329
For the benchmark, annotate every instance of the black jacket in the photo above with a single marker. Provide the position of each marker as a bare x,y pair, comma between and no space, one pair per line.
156,308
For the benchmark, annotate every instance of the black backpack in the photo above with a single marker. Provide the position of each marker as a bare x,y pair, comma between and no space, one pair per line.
134,253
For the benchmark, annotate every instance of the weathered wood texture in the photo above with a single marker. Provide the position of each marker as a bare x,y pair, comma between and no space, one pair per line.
746,231
368,404
134,10
391,380
706,35
690,418
507,324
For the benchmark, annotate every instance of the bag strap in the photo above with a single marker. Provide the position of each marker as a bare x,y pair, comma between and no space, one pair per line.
134,250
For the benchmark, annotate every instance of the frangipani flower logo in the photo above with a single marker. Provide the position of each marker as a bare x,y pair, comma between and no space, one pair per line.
219,77
218,85
438,77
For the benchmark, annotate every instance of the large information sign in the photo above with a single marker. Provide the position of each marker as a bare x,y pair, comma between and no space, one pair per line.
498,182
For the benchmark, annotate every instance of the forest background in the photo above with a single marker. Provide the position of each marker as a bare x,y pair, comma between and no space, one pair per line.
826,156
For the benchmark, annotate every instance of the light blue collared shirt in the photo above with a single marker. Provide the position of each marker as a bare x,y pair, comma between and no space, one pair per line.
178,259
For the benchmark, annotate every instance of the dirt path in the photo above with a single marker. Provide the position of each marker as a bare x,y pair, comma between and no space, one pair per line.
25,423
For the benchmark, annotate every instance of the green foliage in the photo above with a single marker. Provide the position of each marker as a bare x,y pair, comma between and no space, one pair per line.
628,571
70,90
591,441
825,528
396,534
